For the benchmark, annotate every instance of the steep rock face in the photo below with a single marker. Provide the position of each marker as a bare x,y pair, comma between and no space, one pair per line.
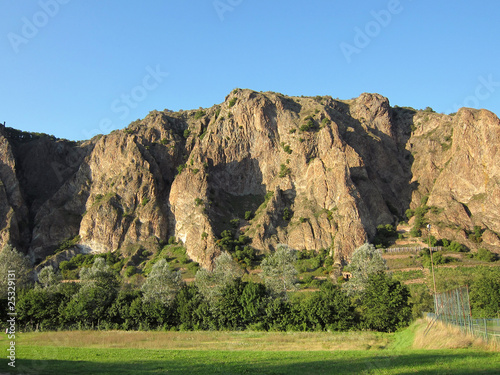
13,210
456,163
314,172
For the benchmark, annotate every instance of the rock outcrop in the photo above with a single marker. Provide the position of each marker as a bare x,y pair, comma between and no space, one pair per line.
314,173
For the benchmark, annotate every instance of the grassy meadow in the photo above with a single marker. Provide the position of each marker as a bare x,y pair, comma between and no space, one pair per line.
441,351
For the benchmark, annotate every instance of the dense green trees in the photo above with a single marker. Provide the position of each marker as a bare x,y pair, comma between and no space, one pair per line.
485,295
224,298
385,304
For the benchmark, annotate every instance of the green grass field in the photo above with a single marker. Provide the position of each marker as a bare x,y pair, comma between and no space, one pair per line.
119,352
58,360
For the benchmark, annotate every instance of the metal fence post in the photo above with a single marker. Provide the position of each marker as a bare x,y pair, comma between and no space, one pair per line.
485,330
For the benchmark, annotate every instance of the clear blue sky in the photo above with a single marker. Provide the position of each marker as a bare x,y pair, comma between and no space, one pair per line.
74,68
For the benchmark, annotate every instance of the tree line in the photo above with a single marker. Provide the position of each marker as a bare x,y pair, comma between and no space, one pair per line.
219,299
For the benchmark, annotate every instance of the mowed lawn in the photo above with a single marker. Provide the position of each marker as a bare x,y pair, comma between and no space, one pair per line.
115,352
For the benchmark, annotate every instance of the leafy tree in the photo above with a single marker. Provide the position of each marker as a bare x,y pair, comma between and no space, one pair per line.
329,309
253,300
39,308
341,313
12,260
385,304
123,310
278,315
48,279
228,307
187,302
162,283
365,261
98,290
99,275
421,300
211,283
156,314
278,271
485,295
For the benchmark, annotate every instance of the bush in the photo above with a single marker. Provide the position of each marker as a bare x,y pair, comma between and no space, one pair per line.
457,246
307,126
186,133
287,214
415,232
232,102
69,243
284,171
248,215
198,201
217,113
385,233
129,271
424,199
180,168
485,255
307,279
199,114
477,235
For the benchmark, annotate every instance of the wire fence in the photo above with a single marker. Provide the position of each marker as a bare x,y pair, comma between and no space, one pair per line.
410,249
453,307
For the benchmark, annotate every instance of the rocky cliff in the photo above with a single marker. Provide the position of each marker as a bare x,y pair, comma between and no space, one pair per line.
310,172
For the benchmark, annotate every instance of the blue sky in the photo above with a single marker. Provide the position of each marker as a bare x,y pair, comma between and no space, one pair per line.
75,68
